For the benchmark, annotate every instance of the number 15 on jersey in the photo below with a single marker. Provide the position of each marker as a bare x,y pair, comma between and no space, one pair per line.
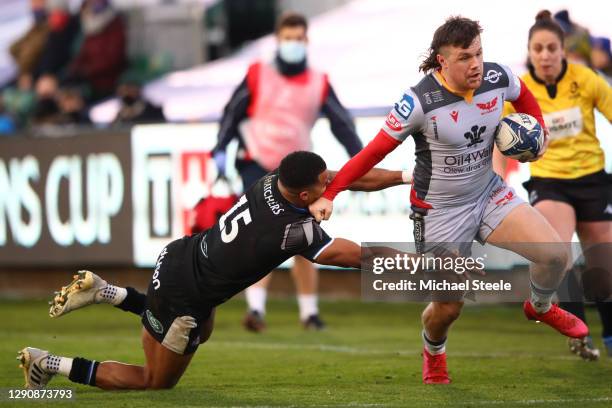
245,215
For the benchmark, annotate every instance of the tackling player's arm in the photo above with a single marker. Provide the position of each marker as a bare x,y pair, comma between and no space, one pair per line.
377,179
345,253
340,252
308,239
361,163
404,119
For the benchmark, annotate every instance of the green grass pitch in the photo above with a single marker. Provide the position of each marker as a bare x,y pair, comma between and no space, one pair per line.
368,357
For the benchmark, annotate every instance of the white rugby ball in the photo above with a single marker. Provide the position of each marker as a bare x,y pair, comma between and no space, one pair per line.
519,136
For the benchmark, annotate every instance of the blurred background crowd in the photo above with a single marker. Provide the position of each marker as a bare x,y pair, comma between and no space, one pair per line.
77,54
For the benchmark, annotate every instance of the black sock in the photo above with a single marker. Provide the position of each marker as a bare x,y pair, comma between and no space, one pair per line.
575,308
134,302
83,371
605,312
571,295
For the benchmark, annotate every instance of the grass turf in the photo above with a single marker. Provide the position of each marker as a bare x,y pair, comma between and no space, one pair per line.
368,357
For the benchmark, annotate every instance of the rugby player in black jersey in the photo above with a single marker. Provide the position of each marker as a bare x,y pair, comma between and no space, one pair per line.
193,275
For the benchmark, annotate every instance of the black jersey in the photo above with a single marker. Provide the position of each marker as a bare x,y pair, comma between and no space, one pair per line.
261,231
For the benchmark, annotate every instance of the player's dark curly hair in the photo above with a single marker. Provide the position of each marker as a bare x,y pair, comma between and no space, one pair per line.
545,21
456,31
300,169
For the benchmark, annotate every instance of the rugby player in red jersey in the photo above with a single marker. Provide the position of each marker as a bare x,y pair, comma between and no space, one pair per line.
452,114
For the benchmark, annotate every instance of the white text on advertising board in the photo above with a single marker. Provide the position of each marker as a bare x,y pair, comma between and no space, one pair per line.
92,187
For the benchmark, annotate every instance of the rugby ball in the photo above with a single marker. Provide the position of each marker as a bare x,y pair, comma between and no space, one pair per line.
519,136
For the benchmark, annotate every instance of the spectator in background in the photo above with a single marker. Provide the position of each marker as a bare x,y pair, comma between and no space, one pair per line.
57,106
134,108
102,56
52,52
577,39
45,112
45,108
57,109
18,101
63,31
71,106
601,57
18,104
27,50
272,113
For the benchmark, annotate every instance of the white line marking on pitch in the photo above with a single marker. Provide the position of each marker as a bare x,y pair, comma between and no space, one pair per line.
365,351
437,404
538,401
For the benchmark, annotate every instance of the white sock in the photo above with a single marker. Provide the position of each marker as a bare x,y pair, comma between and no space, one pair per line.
256,299
541,298
58,365
308,305
111,294
433,349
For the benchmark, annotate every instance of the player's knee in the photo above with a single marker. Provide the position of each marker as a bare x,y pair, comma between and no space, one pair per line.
162,386
161,383
205,335
207,328
449,311
556,258
154,381
442,312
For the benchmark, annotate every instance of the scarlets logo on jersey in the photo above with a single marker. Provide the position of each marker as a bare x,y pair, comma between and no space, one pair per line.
405,106
488,107
393,123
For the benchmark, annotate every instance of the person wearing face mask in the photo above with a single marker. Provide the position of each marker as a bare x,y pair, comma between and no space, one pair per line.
26,51
272,113
569,185
102,56
134,108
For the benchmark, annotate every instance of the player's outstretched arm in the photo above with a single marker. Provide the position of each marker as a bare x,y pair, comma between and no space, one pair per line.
378,179
354,169
341,252
345,253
